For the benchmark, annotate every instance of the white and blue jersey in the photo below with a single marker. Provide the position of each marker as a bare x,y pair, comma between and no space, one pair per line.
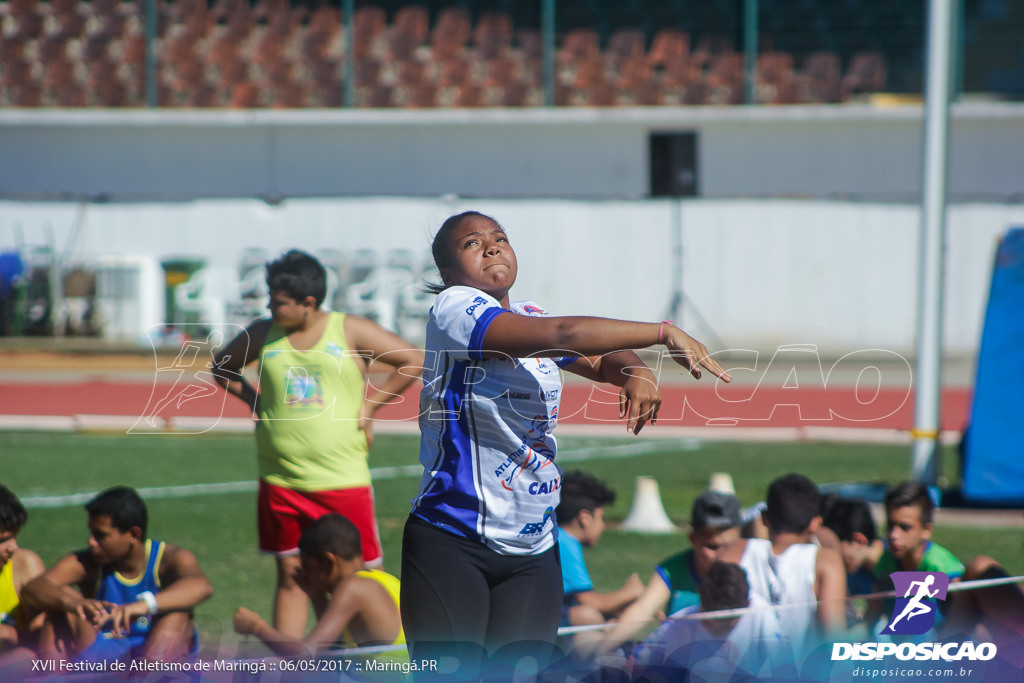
486,425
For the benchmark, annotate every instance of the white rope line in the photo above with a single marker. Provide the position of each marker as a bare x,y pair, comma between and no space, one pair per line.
704,616
738,612
377,473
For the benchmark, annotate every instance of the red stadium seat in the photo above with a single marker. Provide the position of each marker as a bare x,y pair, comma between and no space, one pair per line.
492,36
867,74
824,83
670,46
625,45
245,95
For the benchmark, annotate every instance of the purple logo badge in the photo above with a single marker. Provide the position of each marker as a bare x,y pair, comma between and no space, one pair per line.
914,613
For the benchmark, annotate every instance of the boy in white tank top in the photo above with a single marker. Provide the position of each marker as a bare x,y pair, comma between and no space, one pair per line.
790,569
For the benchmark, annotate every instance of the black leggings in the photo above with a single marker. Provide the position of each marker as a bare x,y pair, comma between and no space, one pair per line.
459,593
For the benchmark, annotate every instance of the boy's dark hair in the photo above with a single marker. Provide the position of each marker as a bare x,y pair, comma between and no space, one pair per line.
124,507
725,586
332,533
12,513
849,516
910,493
793,502
581,491
441,247
298,275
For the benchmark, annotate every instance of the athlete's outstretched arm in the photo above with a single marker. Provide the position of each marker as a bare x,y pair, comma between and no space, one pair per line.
521,336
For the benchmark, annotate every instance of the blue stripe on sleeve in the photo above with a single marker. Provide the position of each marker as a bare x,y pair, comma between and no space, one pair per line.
476,339
565,361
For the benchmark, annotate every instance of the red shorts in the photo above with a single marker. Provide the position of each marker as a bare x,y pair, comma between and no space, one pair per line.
283,513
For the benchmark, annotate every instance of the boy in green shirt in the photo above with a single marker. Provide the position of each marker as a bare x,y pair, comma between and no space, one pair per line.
715,523
909,514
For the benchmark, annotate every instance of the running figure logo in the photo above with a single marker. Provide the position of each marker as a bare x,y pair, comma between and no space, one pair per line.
914,613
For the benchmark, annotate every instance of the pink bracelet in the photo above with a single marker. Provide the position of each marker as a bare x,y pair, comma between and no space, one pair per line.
661,330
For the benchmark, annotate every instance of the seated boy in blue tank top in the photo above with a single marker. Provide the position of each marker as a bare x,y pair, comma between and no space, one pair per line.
125,595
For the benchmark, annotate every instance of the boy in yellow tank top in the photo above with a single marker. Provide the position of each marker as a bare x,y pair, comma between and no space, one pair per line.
313,416
363,608
17,567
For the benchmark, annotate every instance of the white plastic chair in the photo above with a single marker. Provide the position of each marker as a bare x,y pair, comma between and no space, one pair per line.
207,296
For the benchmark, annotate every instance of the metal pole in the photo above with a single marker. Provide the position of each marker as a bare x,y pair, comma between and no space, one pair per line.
932,244
547,31
958,57
348,76
750,49
151,30
675,307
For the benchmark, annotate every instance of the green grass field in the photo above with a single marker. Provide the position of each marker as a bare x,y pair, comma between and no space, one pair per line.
221,528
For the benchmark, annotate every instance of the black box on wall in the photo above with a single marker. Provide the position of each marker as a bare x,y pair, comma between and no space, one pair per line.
674,164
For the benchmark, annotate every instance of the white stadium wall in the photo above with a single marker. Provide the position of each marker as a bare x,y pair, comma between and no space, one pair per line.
852,151
804,232
756,273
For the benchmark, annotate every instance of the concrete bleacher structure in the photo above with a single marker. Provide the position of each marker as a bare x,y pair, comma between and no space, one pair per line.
277,54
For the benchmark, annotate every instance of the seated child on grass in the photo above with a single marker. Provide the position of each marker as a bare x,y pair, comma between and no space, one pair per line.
355,606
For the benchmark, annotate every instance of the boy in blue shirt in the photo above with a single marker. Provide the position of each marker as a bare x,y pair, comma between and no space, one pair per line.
580,517
125,595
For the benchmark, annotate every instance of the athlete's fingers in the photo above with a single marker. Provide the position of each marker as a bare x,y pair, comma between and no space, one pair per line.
626,408
715,368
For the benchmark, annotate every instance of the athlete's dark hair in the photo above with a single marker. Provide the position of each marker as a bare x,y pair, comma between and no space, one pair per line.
298,275
581,491
124,507
332,533
12,512
849,516
725,586
441,247
793,502
910,493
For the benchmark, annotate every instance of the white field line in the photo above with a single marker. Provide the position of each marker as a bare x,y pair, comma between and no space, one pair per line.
378,474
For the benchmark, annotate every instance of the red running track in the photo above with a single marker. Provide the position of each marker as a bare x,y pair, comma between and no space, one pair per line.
884,408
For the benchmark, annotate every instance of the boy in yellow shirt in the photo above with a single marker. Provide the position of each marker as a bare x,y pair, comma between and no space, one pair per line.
363,606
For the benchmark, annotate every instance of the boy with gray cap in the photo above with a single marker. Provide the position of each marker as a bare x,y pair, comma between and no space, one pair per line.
714,523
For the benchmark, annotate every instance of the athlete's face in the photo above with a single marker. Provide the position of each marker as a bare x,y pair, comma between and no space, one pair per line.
107,543
8,545
906,533
592,525
288,312
707,542
314,572
482,258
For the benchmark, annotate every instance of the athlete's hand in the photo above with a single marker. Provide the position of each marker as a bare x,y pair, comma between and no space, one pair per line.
96,612
634,586
691,354
246,621
639,401
122,617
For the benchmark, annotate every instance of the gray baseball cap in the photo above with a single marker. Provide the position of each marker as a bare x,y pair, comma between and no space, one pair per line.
715,508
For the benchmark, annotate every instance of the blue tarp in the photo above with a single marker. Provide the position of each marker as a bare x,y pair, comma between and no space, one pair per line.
994,446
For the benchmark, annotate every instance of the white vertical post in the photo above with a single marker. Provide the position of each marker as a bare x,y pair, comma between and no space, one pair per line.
932,244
